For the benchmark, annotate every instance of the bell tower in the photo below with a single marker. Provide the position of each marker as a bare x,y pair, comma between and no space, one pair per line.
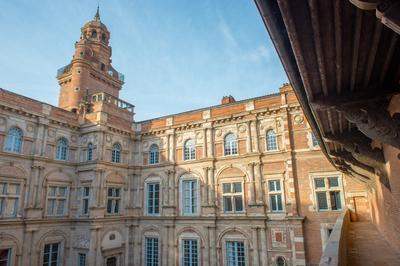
90,70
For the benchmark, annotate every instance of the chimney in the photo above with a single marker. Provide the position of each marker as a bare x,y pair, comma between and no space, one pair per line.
227,99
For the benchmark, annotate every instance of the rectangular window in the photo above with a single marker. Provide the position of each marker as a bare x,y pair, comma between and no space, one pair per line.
85,200
275,195
189,196
9,199
314,140
235,253
232,195
153,198
151,255
56,200
190,252
82,259
113,200
51,254
328,193
5,257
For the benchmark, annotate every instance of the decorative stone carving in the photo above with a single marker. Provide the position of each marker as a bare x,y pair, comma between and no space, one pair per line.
278,237
145,144
298,119
82,240
74,138
51,133
179,139
30,127
2,121
242,129
218,132
199,135
108,138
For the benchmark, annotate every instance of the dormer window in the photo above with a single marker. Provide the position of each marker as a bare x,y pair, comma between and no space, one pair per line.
94,34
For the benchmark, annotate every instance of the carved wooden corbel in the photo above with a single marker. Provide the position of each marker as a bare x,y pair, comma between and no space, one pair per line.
375,122
387,11
361,151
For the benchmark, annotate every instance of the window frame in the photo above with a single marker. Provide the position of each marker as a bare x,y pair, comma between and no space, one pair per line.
313,141
276,192
16,145
59,152
57,198
154,154
271,141
189,237
116,153
232,196
9,255
113,200
89,152
4,198
234,238
182,180
189,150
153,181
85,198
79,259
153,237
327,191
59,253
231,146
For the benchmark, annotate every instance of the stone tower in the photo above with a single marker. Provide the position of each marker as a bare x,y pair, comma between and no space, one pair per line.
90,70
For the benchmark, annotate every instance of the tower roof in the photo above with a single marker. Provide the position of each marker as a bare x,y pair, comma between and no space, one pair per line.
97,16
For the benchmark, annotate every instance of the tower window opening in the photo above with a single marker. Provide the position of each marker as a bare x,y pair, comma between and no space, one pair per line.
103,67
94,34
103,38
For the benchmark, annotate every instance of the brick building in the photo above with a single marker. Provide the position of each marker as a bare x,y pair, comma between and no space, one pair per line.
240,183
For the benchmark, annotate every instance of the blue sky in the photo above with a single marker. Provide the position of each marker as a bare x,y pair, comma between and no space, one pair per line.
177,55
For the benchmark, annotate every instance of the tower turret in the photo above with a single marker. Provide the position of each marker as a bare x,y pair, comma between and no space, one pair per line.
90,70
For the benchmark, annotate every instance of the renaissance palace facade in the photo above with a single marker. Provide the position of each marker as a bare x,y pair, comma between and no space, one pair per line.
240,183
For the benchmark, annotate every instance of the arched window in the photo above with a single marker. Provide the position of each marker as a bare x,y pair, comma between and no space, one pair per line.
116,153
62,149
94,34
103,38
189,152
272,144
154,154
14,140
230,144
280,261
89,152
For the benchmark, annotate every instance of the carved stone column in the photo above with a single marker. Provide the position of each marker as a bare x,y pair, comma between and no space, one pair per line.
205,143
258,182
256,258
211,191
205,186
249,143
252,191
264,250
212,245
254,129
172,147
38,189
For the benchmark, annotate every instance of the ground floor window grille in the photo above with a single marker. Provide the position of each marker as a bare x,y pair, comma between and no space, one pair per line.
51,254
190,252
151,256
235,254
